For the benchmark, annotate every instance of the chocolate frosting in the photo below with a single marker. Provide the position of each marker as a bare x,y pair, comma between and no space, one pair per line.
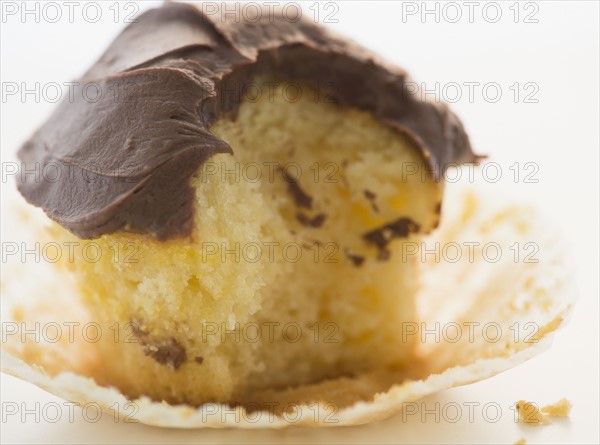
124,145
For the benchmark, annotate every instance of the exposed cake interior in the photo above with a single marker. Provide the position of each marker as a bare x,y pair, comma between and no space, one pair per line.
296,271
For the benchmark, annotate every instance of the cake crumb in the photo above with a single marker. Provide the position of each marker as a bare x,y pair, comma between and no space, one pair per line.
562,408
521,441
530,414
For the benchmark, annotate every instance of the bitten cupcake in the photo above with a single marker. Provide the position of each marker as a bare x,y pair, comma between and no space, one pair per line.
261,182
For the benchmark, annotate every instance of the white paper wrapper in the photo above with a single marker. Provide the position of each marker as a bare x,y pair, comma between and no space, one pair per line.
490,311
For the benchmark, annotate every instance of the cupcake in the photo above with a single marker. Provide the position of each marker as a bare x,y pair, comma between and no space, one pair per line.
243,196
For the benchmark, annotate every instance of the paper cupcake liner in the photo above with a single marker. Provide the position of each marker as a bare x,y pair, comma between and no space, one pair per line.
492,307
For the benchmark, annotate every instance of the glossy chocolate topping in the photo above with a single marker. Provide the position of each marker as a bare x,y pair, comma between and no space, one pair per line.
135,129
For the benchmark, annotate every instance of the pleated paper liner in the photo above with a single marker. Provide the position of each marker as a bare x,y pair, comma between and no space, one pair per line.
494,291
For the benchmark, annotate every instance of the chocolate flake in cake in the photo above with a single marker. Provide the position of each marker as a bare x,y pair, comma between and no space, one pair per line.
166,352
383,255
382,236
300,197
137,330
199,359
400,228
356,259
371,197
316,221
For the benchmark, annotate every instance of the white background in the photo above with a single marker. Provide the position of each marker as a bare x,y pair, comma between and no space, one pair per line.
559,54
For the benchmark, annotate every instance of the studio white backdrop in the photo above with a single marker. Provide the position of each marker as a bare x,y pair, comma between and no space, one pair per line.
522,76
